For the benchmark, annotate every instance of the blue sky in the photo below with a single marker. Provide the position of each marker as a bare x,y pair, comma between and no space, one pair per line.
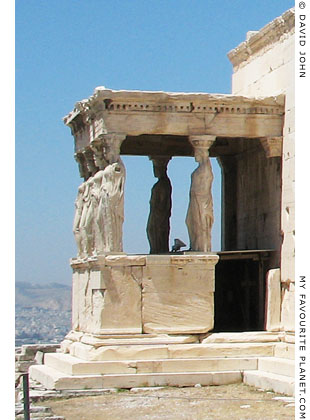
64,49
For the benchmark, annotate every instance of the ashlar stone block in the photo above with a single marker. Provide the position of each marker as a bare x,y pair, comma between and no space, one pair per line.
116,308
273,300
177,297
288,311
84,301
107,298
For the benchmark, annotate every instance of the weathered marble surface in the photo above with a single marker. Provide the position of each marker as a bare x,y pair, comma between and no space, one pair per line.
273,300
167,294
107,300
288,308
177,295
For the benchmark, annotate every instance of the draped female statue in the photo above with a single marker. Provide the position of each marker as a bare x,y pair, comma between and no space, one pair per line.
199,219
81,231
110,214
158,225
99,213
79,202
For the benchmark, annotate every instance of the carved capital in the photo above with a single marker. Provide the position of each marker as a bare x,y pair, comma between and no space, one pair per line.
160,164
116,138
202,141
112,146
160,160
272,146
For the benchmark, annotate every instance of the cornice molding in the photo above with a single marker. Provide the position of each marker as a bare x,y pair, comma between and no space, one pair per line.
264,38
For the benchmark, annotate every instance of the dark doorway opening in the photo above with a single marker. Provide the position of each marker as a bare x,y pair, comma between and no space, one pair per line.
240,290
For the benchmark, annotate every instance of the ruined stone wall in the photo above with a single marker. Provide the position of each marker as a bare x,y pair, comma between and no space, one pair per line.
264,66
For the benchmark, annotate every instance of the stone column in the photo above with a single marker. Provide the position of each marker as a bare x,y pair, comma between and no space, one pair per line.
158,225
199,218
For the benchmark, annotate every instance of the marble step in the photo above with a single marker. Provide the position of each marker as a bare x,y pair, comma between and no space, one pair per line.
270,381
277,365
285,350
53,379
74,366
172,351
129,339
242,337
136,339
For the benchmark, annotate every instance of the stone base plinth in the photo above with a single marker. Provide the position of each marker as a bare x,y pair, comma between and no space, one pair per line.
143,294
149,360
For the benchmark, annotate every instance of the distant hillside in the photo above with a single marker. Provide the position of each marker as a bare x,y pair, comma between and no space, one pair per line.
42,313
53,296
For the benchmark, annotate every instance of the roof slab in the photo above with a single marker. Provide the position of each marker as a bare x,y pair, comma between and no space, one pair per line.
160,122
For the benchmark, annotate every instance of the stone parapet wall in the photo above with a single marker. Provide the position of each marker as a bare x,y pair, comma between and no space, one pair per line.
123,294
259,42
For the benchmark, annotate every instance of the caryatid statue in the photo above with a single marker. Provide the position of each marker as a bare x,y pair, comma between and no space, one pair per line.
99,207
199,218
79,203
158,225
110,214
83,230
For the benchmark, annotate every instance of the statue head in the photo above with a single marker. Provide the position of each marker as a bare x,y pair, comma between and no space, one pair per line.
90,164
99,159
160,164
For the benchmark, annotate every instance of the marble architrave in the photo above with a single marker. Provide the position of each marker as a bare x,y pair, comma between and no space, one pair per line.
137,112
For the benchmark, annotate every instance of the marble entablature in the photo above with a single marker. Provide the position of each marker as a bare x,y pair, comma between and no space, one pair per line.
134,113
